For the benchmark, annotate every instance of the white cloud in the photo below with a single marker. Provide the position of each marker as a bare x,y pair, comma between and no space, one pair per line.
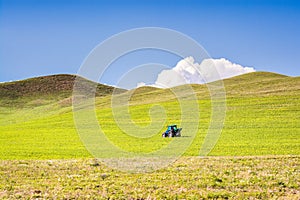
188,71
227,69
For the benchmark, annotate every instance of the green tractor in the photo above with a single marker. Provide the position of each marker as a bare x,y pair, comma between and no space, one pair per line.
172,131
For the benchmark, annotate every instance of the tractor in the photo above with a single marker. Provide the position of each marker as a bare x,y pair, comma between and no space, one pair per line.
172,131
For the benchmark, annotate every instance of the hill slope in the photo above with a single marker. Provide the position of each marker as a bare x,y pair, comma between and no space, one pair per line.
45,85
61,85
262,118
262,84
255,84
53,87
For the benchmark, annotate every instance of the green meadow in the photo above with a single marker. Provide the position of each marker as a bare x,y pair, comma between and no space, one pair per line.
256,156
261,119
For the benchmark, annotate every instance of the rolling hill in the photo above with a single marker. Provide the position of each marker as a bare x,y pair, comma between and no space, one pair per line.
58,87
262,116
48,89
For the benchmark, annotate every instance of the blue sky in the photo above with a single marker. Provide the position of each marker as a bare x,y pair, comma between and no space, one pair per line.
41,37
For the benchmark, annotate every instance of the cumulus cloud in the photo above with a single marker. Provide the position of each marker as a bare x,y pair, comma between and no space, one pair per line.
188,71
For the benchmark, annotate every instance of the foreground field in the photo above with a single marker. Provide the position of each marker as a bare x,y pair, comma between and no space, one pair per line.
271,177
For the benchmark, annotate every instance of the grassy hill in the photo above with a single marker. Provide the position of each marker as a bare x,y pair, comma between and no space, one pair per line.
262,84
47,89
262,117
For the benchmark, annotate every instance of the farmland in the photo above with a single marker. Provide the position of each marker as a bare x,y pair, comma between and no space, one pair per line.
257,154
188,178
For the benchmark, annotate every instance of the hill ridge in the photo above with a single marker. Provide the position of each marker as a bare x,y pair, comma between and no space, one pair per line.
58,84
59,87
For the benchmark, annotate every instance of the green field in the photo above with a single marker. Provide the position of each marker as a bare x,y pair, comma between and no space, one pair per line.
262,119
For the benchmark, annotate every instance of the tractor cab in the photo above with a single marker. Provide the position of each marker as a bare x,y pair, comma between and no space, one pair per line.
172,131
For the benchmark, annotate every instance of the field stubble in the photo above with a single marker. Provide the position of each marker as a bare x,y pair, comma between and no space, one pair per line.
265,177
